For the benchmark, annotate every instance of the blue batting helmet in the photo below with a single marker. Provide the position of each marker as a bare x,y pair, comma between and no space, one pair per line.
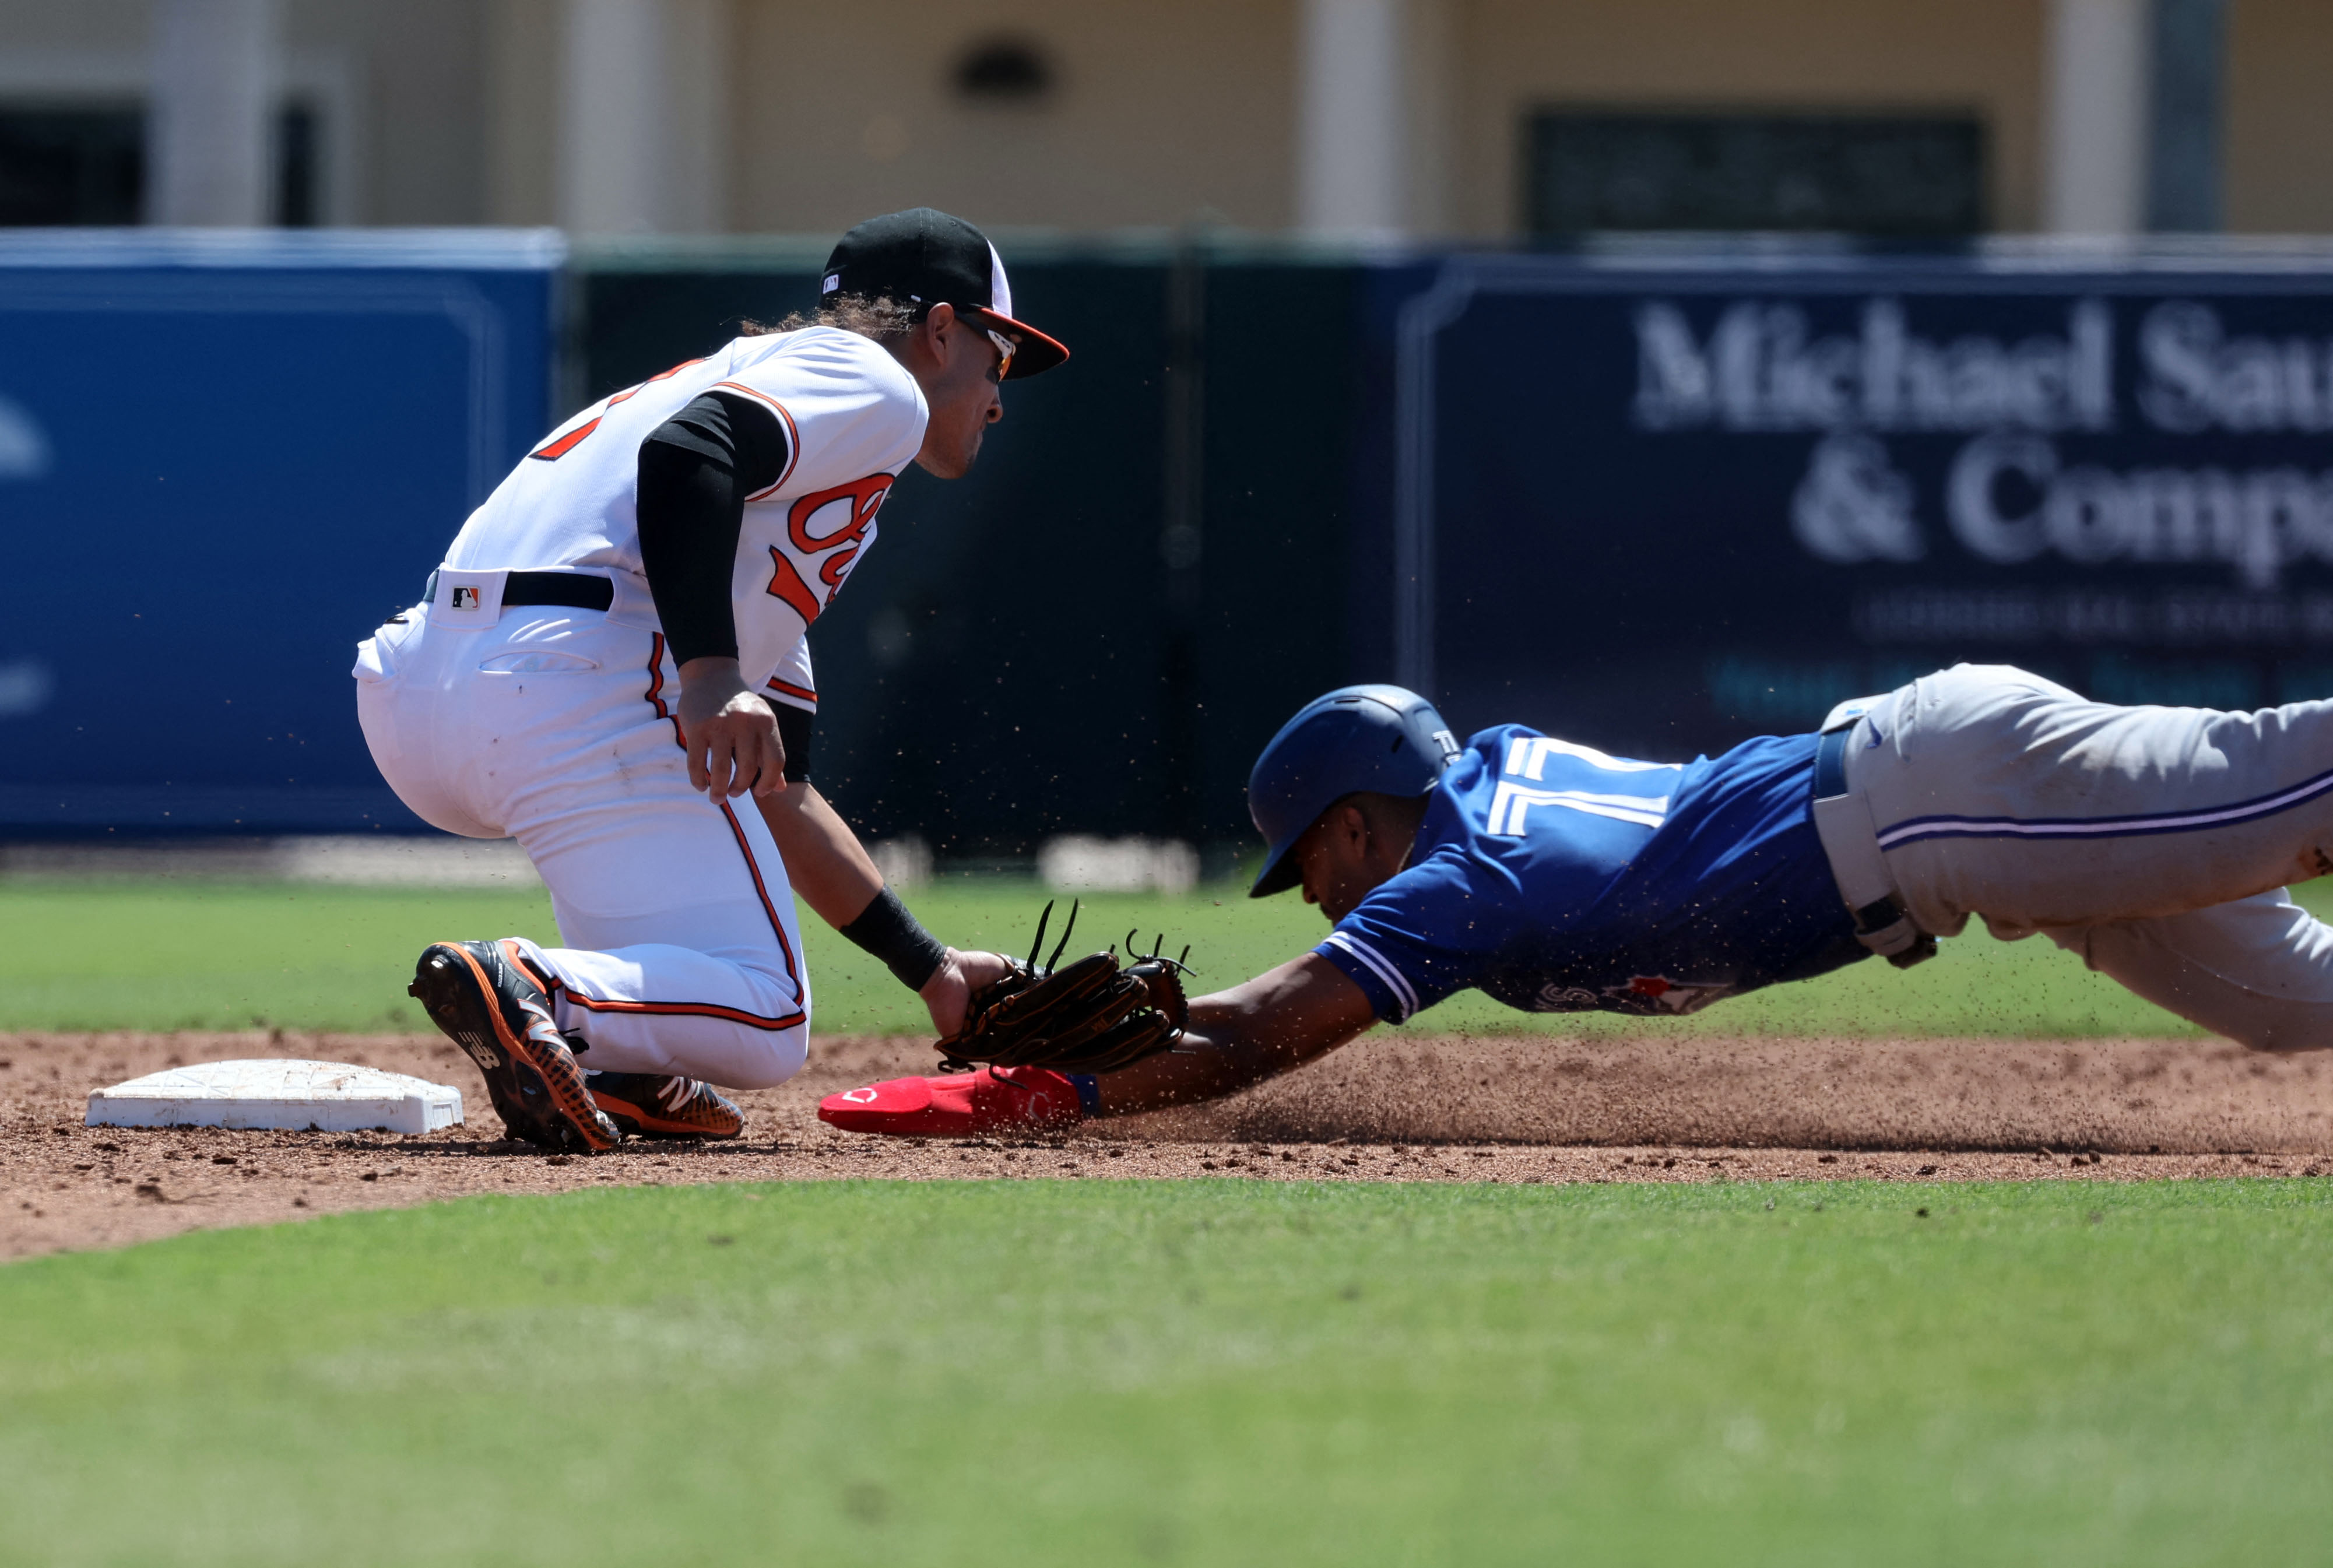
1381,738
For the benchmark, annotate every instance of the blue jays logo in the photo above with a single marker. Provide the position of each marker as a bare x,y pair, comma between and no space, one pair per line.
1560,998
1659,993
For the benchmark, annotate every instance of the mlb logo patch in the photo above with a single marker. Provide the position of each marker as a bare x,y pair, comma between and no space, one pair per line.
468,598
833,282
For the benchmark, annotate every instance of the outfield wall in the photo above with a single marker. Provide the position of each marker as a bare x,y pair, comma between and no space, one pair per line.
224,458
1144,575
1658,500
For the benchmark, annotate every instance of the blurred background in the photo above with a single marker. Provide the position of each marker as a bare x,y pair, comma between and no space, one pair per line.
1655,372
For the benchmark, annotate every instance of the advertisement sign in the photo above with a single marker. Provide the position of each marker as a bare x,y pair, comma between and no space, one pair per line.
223,459
1665,507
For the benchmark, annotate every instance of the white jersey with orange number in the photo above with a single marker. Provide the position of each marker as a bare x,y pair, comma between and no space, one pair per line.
853,416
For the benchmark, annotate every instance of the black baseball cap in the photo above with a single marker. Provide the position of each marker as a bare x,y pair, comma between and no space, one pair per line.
924,258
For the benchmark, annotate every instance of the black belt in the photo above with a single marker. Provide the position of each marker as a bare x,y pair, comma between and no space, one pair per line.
1831,762
574,589
1877,916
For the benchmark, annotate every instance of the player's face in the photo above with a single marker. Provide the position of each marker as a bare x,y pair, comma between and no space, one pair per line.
963,385
1343,861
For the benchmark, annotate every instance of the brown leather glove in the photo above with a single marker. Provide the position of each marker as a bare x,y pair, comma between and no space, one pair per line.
1091,1016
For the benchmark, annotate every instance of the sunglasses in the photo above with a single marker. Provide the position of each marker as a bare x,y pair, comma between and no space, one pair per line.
1005,347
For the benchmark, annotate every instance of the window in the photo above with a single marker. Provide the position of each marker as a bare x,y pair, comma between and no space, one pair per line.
71,166
1880,174
299,163
86,165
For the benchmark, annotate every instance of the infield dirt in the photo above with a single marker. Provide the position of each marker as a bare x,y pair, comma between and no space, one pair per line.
1495,1108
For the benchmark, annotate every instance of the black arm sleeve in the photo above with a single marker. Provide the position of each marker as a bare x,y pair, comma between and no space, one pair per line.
793,734
697,468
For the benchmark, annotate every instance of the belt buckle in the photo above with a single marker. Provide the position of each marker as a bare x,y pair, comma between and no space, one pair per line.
1880,925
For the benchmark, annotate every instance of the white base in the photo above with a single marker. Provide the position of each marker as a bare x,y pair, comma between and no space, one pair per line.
316,1096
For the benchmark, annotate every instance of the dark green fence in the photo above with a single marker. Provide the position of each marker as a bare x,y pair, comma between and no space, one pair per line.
1147,572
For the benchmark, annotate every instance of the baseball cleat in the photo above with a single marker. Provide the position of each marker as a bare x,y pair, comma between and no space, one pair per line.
962,1105
485,1000
652,1105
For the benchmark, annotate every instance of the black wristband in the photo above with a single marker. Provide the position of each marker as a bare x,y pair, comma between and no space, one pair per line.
888,930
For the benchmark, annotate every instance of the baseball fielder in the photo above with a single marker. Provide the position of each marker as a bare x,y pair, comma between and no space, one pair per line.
2154,842
612,666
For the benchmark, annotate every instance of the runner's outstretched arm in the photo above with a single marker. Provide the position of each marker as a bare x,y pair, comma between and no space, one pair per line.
1280,1020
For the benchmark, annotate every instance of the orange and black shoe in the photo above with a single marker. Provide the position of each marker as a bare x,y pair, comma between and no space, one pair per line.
651,1106
487,1002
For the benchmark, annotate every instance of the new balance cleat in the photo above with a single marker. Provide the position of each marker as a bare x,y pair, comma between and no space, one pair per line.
962,1105
483,996
652,1105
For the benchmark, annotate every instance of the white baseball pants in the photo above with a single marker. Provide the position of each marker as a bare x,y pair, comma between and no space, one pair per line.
2156,843
554,727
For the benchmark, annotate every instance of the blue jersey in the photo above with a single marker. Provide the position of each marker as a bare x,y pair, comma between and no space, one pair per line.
1557,878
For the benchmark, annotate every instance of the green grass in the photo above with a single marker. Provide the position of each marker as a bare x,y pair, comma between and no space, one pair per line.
1206,1373
167,955
193,955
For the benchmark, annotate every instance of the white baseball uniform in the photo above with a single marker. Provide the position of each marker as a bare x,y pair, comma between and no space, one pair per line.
555,726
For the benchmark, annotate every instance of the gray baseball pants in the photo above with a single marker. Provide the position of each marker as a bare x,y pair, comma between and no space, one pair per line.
2156,843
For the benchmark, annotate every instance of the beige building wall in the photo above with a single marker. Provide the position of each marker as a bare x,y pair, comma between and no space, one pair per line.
1162,111
402,87
410,84
1168,110
1514,55
520,150
1165,109
449,111
2279,125
73,26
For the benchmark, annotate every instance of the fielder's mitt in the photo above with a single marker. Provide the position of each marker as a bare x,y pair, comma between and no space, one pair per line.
1091,1016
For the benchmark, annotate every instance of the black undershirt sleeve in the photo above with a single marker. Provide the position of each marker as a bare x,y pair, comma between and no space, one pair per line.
696,470
793,734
